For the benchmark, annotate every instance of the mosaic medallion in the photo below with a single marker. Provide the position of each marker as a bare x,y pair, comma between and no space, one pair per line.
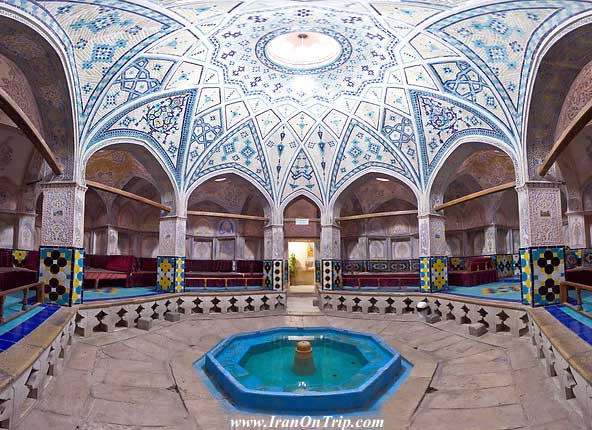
353,50
303,52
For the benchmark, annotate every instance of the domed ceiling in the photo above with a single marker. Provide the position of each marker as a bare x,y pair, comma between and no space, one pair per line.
212,87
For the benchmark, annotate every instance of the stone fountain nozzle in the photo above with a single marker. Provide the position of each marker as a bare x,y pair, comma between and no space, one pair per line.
303,358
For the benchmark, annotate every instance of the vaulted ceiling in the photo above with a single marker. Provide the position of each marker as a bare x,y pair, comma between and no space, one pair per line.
195,82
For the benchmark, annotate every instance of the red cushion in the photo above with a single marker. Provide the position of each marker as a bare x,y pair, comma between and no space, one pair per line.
249,266
32,261
222,266
198,266
148,264
97,261
5,258
121,263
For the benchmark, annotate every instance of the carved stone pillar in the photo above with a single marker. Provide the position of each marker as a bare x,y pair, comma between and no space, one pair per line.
433,250
112,241
61,265
330,242
239,248
26,232
170,275
542,255
363,247
273,248
490,242
576,228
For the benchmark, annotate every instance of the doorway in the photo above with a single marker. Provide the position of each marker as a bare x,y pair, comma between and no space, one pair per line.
301,259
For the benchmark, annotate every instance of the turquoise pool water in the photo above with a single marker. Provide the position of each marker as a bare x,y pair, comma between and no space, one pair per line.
335,363
352,370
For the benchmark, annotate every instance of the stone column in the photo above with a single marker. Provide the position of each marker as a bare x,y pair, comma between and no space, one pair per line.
170,275
542,254
330,242
61,255
26,232
330,255
273,246
363,246
433,253
239,250
576,227
490,242
389,248
465,243
112,241
275,267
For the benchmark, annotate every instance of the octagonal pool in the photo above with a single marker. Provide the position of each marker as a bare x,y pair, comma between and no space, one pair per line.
304,370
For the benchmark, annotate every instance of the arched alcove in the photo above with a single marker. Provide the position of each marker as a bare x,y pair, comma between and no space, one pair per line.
383,238
215,237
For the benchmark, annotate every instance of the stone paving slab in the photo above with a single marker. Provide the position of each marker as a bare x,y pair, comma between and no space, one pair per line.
134,380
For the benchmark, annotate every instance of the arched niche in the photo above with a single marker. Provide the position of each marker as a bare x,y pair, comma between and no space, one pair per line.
472,167
127,223
35,73
213,237
377,238
561,88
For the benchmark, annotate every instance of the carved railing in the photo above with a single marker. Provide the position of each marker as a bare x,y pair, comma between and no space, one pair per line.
38,286
565,286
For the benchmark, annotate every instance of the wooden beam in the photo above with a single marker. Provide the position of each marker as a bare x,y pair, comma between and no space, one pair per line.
309,219
24,123
227,215
472,196
376,215
127,194
573,129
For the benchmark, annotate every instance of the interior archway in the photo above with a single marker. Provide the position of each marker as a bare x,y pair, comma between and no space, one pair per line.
384,238
215,237
302,230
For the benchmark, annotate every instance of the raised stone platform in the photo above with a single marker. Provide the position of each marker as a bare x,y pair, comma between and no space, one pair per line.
120,377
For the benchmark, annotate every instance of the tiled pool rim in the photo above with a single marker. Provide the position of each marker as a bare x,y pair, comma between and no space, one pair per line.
350,400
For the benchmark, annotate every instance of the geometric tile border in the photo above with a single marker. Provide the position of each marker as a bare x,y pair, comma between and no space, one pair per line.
543,269
62,272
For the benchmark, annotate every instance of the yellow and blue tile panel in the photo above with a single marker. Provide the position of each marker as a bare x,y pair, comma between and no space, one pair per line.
433,274
170,274
19,256
543,269
62,272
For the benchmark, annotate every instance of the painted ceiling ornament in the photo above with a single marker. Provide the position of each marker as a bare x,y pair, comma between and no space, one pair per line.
335,52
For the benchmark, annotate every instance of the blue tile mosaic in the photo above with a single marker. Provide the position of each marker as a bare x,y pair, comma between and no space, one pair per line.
13,331
574,321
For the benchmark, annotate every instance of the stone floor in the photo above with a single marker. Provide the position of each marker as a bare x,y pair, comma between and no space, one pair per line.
133,379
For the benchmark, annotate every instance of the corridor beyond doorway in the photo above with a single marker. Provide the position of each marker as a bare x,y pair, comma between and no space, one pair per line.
301,260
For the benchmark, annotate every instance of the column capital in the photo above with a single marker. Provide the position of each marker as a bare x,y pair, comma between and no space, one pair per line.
540,214
172,231
429,215
576,229
432,239
575,213
62,184
63,214
330,242
538,184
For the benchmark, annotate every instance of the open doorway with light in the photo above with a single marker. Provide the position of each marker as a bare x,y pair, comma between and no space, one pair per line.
301,259
302,237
